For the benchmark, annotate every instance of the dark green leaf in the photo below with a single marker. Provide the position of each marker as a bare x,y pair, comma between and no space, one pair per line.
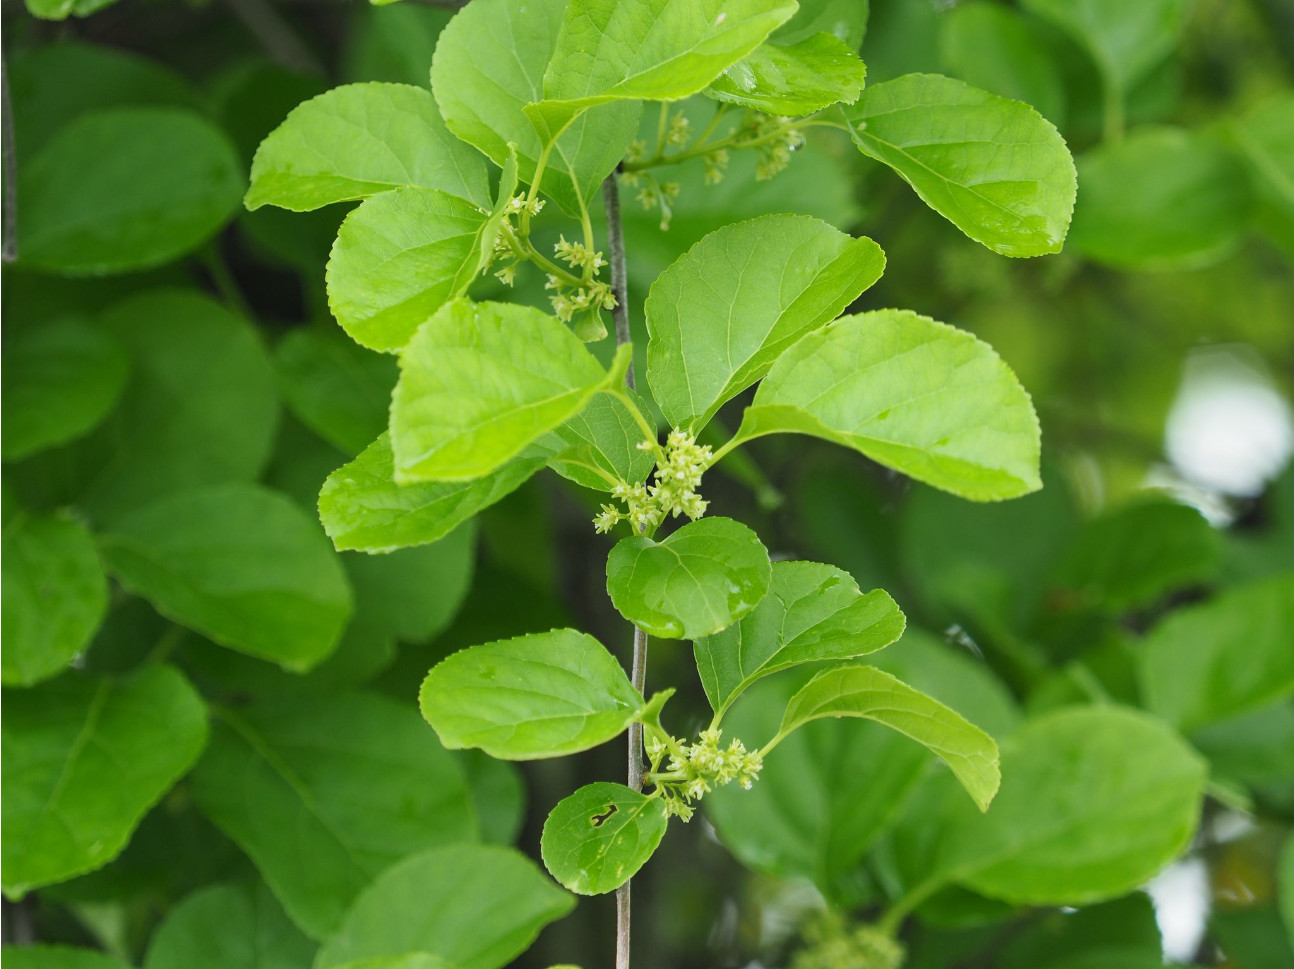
58,957
126,189
240,564
353,778
60,380
84,759
55,596
477,907
230,926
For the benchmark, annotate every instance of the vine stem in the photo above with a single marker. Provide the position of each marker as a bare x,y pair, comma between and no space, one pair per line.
638,671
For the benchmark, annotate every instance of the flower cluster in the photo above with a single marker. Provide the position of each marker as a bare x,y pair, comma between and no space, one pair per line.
775,152
592,297
834,946
696,769
679,468
503,249
653,194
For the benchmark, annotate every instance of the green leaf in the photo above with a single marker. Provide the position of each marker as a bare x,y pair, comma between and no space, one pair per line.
1136,554
55,596
126,189
725,310
362,507
1264,136
200,407
58,957
60,381
358,140
795,79
918,396
1094,801
481,381
84,759
353,777
410,960
498,795
600,441
230,926
1163,198
240,564
834,786
994,168
1225,657
996,48
812,612
596,840
489,65
865,691
53,83
475,906
699,580
1121,934
845,19
340,391
655,50
541,695
398,258
1125,40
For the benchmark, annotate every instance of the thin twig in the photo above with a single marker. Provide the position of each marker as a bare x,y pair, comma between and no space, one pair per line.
277,36
638,674
9,247
619,272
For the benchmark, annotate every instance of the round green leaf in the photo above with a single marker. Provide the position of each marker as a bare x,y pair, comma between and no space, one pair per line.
994,168
60,380
722,313
1094,801
354,778
358,140
794,79
1162,198
541,695
479,382
699,580
126,189
918,396
475,906
597,839
240,564
84,759
398,257
339,390
55,596
230,926
200,407
362,507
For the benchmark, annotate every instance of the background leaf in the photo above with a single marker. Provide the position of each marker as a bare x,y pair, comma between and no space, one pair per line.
240,564
85,757
475,906
699,580
232,926
126,189
353,776
55,596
